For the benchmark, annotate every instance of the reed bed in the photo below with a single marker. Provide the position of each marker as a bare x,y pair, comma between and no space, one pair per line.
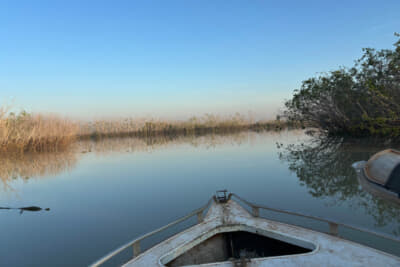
194,126
35,132
26,132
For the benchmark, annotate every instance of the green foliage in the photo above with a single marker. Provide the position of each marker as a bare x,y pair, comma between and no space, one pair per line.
362,100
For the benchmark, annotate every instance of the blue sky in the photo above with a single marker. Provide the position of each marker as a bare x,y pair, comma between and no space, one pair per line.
178,58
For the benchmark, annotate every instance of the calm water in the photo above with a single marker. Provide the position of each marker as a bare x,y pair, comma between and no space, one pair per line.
103,194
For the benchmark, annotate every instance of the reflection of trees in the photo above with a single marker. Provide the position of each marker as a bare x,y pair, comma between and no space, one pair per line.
323,165
27,165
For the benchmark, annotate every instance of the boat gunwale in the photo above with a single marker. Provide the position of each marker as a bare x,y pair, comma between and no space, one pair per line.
253,206
115,252
322,219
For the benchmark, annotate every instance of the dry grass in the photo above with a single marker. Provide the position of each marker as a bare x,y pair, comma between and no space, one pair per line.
35,132
25,132
194,126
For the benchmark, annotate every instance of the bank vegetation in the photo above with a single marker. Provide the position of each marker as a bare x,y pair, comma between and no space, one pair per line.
363,100
25,132
35,132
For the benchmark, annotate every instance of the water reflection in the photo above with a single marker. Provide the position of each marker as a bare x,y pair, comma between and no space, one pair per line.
27,165
323,165
111,145
118,189
32,165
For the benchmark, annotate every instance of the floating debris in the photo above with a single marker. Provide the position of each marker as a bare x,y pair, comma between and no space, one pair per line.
22,209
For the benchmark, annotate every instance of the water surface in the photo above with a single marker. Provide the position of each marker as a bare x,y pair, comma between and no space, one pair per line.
103,194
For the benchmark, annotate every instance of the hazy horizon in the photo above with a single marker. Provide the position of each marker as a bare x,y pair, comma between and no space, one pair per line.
176,59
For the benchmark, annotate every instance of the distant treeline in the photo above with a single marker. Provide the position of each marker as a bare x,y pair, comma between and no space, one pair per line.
36,132
360,101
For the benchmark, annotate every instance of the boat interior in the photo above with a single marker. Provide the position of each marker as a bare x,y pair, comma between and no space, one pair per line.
242,244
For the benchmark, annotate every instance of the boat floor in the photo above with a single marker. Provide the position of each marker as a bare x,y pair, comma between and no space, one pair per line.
326,250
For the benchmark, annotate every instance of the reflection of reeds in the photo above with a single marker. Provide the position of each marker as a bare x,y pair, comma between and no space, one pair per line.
26,132
133,144
30,164
26,165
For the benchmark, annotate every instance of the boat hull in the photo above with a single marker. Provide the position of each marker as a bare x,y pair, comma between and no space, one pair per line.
373,188
324,249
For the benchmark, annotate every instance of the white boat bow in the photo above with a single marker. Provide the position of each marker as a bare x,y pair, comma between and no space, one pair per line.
230,236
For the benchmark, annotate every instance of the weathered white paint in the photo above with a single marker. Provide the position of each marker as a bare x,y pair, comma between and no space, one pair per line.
327,250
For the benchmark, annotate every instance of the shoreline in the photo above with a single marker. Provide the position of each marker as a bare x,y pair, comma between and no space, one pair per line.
43,133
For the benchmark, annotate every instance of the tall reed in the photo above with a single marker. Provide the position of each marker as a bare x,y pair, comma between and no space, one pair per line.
194,126
35,132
